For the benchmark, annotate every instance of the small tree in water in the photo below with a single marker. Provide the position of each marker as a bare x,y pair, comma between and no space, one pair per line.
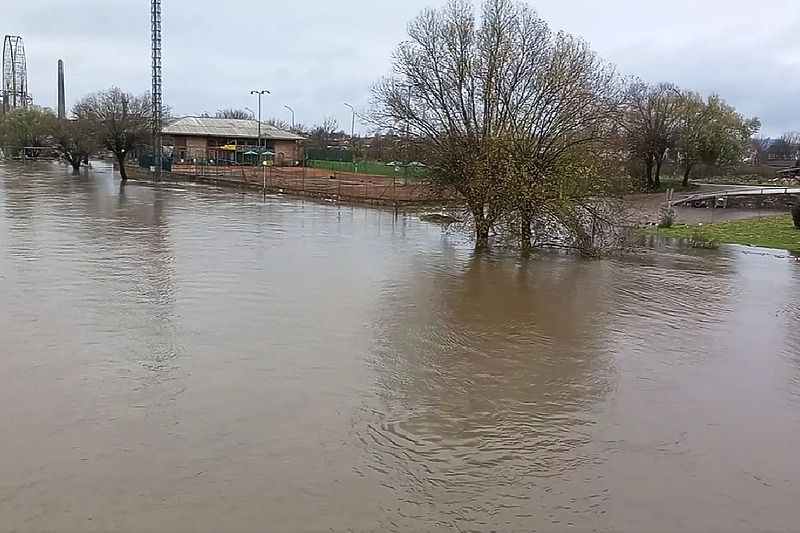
512,116
75,142
121,122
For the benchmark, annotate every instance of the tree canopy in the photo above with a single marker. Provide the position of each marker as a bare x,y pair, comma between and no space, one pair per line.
235,114
26,129
712,133
121,121
514,117
75,141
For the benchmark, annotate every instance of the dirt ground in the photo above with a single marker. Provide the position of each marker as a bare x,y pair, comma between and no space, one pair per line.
324,182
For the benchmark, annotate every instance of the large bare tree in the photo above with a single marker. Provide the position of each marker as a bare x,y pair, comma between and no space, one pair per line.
654,116
513,116
121,121
788,145
321,135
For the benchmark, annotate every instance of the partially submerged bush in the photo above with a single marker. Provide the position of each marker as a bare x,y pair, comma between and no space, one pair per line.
700,241
796,215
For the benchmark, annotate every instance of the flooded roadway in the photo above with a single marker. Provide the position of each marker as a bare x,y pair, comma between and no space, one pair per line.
176,359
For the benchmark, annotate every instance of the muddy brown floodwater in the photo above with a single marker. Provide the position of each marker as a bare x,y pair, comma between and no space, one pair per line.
185,359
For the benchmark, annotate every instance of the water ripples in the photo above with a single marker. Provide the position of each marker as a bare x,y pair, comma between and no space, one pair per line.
326,366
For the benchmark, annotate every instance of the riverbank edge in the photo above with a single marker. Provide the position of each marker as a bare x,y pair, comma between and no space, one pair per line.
141,175
776,232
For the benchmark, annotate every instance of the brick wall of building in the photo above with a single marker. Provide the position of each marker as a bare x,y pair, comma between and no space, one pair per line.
291,150
189,148
196,147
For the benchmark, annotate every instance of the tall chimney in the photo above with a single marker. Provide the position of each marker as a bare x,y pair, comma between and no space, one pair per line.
62,103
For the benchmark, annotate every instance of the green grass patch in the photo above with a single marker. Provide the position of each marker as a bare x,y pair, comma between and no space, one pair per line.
767,232
369,167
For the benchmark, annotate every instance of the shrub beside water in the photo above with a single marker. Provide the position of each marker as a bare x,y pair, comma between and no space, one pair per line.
796,215
666,218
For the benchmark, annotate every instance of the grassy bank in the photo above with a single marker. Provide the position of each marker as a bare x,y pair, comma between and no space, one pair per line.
767,232
369,167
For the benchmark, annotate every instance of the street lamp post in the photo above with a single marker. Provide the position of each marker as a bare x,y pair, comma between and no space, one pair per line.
259,93
264,179
352,126
292,110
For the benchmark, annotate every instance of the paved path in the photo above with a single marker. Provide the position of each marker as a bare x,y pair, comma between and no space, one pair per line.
739,191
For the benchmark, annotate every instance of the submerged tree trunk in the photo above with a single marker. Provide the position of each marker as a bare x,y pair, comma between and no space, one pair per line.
481,236
526,233
122,172
72,160
482,227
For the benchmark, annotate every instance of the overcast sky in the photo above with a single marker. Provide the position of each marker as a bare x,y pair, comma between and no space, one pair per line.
314,55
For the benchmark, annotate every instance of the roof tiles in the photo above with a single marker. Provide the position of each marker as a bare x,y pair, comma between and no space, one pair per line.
228,128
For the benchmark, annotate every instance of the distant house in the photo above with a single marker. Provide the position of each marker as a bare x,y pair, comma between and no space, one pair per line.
232,140
775,153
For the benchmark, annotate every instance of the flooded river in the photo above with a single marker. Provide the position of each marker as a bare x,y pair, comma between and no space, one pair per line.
185,359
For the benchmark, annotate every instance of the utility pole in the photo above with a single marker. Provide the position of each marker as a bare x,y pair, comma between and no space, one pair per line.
260,93
158,118
352,128
292,110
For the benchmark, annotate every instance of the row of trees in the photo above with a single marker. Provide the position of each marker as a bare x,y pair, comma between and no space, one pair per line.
784,148
110,121
662,121
535,130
